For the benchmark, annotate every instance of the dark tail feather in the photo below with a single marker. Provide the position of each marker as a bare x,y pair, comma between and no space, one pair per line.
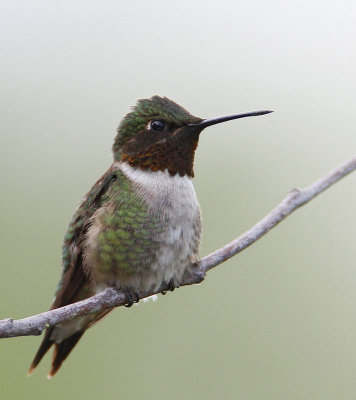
62,350
45,345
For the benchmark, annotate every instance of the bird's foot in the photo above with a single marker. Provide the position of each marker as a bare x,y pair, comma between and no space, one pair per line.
171,286
132,296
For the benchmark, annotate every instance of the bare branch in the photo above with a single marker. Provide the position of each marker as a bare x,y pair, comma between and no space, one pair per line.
111,298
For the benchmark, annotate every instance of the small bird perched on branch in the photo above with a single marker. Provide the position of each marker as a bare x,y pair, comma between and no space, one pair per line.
139,226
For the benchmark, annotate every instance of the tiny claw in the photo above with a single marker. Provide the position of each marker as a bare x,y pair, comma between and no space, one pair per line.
172,285
132,297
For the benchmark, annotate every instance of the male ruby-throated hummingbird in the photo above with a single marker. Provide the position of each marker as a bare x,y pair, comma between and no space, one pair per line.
139,226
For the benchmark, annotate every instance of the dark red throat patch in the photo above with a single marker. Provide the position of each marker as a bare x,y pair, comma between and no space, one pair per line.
174,155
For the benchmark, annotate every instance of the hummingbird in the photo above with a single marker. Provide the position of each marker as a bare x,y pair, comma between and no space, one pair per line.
139,226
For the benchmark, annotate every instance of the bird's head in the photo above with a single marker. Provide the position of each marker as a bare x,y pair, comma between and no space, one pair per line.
159,134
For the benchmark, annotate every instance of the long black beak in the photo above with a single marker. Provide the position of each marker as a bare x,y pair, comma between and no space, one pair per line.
213,121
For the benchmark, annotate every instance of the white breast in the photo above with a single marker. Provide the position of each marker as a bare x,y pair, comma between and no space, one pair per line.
175,199
173,194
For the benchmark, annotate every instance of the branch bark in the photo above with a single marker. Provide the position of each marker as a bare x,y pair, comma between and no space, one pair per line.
111,297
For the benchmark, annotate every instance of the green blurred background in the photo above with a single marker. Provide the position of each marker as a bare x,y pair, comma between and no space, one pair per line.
276,322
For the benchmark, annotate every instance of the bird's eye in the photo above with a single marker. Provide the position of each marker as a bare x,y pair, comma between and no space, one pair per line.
157,125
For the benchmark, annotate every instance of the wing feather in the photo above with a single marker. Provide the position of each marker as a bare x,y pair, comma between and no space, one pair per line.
74,284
